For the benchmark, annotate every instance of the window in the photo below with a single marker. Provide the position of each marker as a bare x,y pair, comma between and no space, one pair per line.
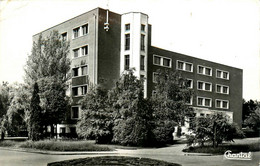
76,32
222,74
142,42
204,70
84,90
127,27
85,29
62,130
189,83
127,62
76,53
202,115
75,72
84,70
64,36
75,91
203,101
206,86
156,60
155,77
185,66
75,113
143,27
127,42
84,50
222,104
189,101
166,62
222,89
142,66
162,61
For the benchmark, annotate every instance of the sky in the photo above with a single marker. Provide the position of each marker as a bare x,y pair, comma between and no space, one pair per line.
223,31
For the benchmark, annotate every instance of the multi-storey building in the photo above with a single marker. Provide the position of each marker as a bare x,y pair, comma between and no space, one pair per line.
104,44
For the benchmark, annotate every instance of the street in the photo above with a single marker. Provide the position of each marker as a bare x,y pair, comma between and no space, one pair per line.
170,154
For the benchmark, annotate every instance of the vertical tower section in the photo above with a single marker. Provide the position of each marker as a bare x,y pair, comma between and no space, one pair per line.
134,45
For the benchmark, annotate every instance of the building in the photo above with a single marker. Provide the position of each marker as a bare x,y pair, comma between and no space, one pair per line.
104,44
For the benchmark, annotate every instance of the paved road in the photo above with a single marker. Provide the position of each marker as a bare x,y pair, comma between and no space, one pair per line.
170,154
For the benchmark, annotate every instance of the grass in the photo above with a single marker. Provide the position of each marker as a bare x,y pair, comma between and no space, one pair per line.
244,145
112,160
56,145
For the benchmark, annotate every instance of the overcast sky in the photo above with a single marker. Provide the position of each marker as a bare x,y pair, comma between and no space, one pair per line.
223,31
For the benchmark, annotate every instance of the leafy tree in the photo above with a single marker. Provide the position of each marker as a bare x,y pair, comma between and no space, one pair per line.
48,65
253,120
132,113
170,104
248,108
216,128
35,124
96,118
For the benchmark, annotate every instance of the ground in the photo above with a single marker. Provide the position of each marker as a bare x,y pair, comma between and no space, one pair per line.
172,154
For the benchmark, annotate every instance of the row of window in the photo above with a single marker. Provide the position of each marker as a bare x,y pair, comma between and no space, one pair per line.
187,66
80,71
207,102
82,51
127,38
201,85
127,62
79,90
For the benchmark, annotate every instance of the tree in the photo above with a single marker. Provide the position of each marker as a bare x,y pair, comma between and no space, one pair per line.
253,120
170,104
35,123
132,113
96,118
216,128
248,108
49,65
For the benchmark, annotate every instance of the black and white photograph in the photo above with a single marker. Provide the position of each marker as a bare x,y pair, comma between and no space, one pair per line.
129,82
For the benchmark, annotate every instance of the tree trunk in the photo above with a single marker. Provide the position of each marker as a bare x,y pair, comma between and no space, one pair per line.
2,135
52,131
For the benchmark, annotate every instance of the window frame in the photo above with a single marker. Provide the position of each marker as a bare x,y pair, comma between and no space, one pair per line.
161,61
72,112
221,89
82,29
127,27
78,32
204,85
203,101
221,74
154,78
221,104
204,70
126,66
184,66
127,41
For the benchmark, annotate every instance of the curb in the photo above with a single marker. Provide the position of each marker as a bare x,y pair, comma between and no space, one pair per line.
198,154
60,153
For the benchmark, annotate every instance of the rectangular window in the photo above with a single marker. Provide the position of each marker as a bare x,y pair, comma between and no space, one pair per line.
142,42
76,53
75,72
155,77
76,32
142,27
162,61
62,130
222,74
75,113
222,89
127,42
142,62
157,60
84,90
166,62
203,101
189,101
84,70
127,62
85,29
222,104
185,66
127,27
206,86
189,83
84,50
204,70
75,91
64,36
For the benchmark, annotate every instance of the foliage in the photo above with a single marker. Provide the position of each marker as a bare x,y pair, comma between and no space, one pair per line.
96,117
253,120
215,129
170,104
35,123
49,65
248,108
132,113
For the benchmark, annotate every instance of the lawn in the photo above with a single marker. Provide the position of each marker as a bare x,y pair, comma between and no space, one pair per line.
112,160
240,145
56,145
